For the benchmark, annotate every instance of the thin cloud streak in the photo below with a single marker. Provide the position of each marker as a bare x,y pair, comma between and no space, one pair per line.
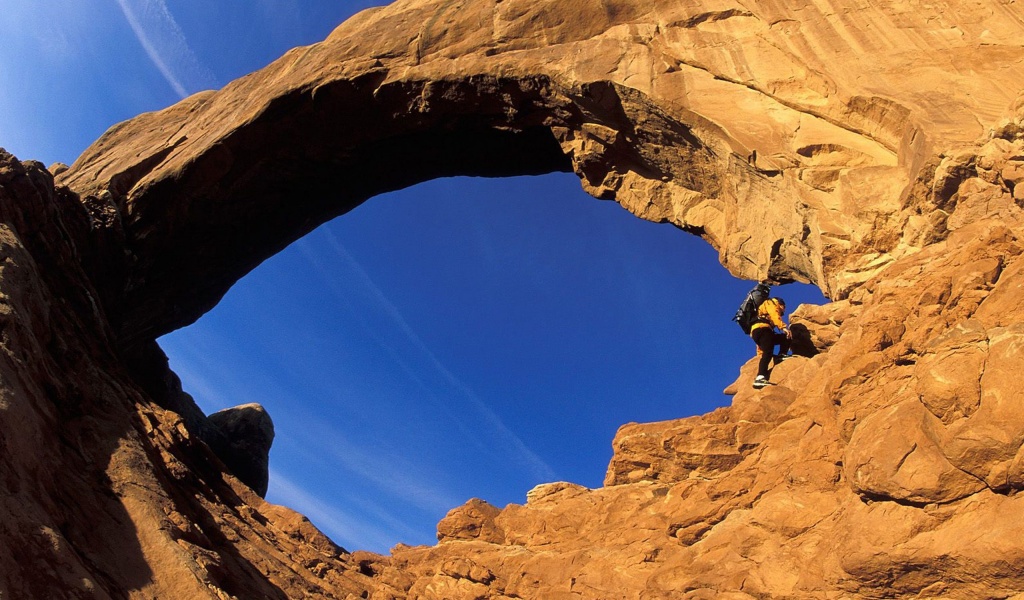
390,472
386,469
342,527
326,276
214,386
512,443
163,41
205,393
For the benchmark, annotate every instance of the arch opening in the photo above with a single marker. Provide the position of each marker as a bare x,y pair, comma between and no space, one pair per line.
465,338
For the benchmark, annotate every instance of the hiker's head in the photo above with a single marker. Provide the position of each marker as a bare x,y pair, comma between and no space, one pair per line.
782,303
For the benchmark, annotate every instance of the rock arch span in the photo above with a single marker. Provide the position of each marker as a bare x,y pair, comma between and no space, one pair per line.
313,154
707,118
875,151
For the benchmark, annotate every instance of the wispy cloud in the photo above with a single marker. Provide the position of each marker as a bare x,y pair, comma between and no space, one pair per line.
165,44
351,531
227,381
521,455
388,469
365,468
207,395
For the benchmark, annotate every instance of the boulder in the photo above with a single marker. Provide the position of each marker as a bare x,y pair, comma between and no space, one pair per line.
246,434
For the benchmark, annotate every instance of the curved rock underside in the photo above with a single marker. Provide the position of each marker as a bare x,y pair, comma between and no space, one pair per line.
874,150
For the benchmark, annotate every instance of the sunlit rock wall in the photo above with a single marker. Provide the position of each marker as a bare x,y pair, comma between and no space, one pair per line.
875,150
799,139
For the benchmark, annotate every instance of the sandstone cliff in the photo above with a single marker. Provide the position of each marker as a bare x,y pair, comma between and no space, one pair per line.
874,150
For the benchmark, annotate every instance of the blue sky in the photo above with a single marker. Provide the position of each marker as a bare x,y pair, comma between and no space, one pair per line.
461,338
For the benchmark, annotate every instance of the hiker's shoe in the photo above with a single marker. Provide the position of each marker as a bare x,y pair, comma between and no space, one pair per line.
781,357
760,381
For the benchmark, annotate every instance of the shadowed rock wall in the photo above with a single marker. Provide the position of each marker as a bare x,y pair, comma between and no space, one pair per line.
874,150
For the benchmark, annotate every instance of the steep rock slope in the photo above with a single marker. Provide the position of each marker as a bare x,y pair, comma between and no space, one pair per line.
888,465
874,150
106,494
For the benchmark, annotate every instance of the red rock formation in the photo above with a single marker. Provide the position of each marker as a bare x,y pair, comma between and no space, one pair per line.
655,104
105,493
876,151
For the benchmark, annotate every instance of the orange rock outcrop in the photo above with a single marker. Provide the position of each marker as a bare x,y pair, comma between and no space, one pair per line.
875,150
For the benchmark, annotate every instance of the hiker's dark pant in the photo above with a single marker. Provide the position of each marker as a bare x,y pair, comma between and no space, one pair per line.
766,339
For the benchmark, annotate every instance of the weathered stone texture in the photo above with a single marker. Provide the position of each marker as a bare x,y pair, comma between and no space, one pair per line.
875,150
790,136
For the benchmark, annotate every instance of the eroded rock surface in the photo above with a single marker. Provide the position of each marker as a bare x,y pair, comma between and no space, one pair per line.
800,139
875,150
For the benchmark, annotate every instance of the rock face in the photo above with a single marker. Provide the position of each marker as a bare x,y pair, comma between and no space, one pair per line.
247,432
876,150
798,139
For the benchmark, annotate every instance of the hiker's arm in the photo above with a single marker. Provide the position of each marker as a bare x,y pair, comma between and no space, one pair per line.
775,316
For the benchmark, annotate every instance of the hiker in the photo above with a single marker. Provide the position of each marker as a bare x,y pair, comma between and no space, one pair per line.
764,334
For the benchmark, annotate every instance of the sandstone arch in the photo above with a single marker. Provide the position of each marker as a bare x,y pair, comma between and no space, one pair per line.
311,155
658,106
876,151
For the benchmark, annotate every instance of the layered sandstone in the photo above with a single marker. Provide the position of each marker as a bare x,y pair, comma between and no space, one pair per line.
876,150
788,136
